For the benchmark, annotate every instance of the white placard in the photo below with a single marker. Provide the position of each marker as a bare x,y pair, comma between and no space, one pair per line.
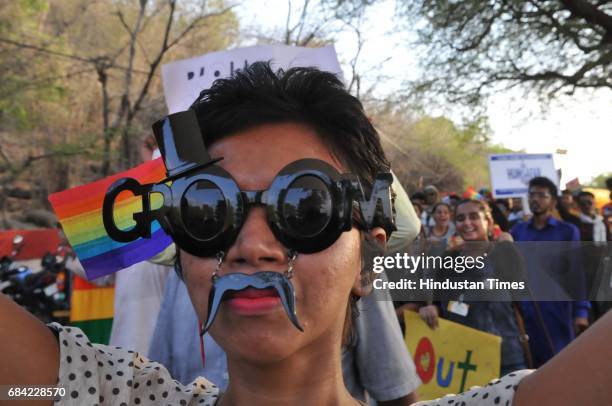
511,173
183,80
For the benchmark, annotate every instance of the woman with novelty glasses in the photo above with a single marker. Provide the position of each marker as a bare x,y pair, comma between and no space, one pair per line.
273,270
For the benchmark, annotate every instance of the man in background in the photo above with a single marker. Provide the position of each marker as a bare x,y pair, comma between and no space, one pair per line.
552,268
432,196
592,227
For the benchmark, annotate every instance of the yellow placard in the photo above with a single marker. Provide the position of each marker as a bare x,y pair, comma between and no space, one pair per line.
452,358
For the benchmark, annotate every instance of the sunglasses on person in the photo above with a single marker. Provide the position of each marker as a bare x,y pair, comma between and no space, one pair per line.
308,205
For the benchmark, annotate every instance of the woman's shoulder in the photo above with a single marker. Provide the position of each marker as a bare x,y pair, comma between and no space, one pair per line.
497,392
96,374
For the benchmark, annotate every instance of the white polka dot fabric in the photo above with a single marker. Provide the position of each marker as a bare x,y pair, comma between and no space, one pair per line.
96,374
497,392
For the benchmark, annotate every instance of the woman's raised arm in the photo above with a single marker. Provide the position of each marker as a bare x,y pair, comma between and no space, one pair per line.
29,352
578,375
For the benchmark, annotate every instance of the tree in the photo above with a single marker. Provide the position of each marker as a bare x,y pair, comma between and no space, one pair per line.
123,51
317,23
599,181
435,149
471,49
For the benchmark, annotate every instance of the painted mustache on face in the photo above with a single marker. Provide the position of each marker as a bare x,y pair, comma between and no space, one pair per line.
236,282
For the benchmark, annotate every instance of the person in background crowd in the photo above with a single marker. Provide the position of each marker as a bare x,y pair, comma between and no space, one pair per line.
453,200
550,325
606,210
474,224
504,206
592,227
499,217
604,304
418,198
566,208
432,196
443,228
517,214
567,202
593,230
418,209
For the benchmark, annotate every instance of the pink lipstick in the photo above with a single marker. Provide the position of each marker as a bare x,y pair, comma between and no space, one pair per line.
252,301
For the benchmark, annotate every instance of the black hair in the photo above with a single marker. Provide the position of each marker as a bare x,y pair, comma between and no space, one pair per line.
503,202
585,193
541,181
417,196
609,183
256,95
435,206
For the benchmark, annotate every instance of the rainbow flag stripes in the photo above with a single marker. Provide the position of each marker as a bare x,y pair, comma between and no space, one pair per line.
80,213
91,309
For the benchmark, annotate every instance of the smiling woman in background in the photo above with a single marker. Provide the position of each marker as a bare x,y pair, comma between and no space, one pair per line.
443,227
274,284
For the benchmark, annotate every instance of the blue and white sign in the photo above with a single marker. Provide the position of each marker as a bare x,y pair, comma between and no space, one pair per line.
511,173
183,80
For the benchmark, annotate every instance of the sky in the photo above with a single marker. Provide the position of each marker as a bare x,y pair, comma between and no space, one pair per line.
581,125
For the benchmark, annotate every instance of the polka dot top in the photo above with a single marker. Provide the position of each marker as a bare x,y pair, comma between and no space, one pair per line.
497,392
96,374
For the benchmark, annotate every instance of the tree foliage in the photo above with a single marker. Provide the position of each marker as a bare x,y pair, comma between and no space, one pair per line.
472,48
434,150
599,181
97,64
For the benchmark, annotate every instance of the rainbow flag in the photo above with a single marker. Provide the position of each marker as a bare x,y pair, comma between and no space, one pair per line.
79,211
92,309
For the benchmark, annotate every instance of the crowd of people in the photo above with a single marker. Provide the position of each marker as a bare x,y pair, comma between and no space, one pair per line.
536,329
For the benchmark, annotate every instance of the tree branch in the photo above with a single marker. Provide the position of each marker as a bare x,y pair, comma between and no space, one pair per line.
36,48
591,14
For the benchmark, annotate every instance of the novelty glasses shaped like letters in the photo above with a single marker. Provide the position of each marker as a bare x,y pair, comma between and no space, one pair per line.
308,204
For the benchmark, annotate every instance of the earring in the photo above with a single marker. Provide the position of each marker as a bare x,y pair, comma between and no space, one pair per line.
220,257
291,256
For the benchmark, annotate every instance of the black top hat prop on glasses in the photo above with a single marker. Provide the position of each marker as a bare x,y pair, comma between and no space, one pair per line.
181,144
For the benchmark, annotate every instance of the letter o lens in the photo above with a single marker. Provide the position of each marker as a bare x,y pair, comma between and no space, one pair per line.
203,210
307,207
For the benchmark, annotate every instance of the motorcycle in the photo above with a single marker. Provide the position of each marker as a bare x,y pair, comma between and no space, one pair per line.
45,293
59,290
10,273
